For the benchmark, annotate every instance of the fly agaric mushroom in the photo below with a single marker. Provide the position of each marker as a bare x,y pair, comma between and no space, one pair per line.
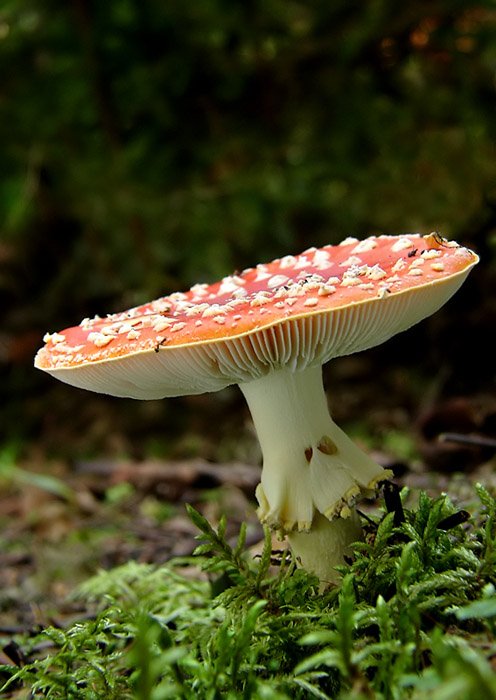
269,329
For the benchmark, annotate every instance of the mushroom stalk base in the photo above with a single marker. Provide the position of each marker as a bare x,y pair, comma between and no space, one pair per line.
326,545
310,465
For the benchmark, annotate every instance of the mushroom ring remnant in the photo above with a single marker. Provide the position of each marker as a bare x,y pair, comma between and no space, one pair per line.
270,329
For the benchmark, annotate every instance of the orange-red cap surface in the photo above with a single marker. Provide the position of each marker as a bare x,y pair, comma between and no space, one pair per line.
293,311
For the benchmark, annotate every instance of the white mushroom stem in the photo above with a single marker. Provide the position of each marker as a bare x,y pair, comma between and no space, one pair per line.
312,472
324,547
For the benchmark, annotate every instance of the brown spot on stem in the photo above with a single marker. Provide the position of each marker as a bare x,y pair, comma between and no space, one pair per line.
327,446
308,454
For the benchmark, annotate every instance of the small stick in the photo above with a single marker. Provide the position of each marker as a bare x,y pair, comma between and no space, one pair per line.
393,502
473,440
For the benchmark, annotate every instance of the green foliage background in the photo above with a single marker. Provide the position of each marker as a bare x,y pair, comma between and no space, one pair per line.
150,144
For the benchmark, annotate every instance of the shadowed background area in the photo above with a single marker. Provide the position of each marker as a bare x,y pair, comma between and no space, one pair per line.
149,145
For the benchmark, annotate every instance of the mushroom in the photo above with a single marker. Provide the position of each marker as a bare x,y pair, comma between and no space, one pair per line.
269,329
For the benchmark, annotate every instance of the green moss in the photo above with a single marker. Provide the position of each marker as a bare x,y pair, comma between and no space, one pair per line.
414,617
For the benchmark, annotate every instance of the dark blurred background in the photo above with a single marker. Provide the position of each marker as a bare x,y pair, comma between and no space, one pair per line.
151,144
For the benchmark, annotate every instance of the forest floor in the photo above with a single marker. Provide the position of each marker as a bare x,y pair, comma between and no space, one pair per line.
61,525
63,519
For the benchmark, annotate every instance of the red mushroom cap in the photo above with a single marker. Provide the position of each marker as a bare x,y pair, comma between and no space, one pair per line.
294,311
